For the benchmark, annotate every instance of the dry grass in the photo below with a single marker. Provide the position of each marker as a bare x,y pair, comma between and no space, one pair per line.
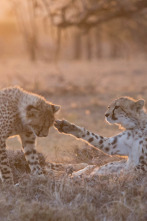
66,198
84,90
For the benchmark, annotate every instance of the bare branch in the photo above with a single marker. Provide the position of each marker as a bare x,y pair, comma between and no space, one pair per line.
88,14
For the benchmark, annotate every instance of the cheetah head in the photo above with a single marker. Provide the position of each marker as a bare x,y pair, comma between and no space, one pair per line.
41,117
125,112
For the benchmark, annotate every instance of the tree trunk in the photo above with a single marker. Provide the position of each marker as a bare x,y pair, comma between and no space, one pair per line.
77,46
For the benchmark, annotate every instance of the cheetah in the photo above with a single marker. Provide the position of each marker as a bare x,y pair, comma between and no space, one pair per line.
27,115
129,114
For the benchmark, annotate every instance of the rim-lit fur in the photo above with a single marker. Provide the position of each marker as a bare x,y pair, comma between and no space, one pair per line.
27,115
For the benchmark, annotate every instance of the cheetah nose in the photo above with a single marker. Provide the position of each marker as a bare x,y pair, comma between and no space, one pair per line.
106,115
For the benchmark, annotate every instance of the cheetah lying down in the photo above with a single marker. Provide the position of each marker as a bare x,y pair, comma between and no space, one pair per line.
132,142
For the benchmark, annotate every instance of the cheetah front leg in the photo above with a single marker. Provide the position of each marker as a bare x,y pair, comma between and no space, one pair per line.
7,176
118,144
28,142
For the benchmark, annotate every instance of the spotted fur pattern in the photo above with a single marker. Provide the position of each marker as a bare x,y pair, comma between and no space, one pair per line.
132,142
27,115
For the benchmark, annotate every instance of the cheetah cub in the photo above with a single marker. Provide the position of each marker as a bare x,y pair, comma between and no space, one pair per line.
27,115
132,142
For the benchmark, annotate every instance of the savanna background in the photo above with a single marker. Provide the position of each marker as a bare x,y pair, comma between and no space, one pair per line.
80,54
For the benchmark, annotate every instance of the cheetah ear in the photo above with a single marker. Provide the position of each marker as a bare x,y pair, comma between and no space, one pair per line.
55,108
139,104
32,111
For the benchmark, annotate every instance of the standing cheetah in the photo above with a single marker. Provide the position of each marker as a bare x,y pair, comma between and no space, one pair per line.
27,115
132,142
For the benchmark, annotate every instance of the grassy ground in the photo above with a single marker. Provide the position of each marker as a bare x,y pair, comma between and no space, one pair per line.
61,197
84,90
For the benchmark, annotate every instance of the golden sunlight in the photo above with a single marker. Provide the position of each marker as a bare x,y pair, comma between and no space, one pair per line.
4,9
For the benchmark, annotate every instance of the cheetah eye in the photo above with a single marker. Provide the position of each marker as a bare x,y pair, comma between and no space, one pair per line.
108,107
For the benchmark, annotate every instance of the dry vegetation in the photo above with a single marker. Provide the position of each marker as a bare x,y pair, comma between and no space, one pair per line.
65,198
83,89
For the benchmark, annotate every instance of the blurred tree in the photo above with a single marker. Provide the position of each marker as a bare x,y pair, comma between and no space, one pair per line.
98,41
90,13
26,16
77,46
89,46
123,21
